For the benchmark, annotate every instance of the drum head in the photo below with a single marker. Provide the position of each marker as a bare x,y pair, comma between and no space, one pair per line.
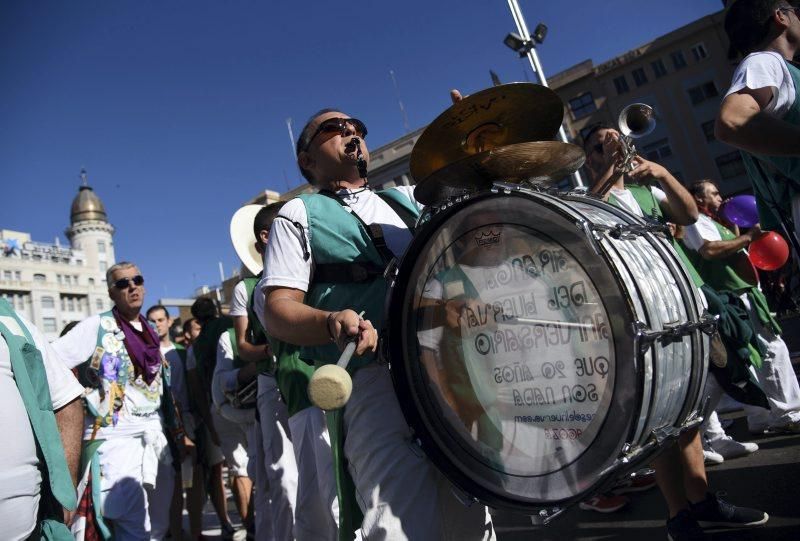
513,360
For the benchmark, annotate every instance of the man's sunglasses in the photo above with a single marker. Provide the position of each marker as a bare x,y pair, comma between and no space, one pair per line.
338,125
124,283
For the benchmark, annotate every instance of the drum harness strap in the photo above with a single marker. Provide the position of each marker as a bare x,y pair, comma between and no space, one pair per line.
339,273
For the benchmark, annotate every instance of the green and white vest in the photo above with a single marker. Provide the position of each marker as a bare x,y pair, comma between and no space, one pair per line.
31,379
339,237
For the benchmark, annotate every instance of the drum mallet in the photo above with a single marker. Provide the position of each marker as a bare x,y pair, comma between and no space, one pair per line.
331,385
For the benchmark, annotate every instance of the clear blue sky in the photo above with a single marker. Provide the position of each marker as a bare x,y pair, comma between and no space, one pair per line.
177,108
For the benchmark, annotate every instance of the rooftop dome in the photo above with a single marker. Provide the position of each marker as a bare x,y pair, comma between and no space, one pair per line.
86,205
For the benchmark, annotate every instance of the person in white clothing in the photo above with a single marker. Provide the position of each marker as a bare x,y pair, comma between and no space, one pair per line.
124,376
775,374
399,492
21,490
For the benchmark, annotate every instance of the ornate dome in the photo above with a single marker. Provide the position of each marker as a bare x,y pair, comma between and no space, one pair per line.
86,205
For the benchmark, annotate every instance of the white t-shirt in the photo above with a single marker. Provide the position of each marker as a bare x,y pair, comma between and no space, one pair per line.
20,478
284,263
628,202
698,233
239,300
140,406
766,69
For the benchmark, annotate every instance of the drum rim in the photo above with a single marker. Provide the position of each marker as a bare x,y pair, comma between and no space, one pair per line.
404,379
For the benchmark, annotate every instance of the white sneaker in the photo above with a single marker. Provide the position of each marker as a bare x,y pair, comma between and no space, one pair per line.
730,448
712,457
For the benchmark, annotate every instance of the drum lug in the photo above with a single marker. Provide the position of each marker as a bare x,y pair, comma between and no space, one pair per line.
675,333
666,433
546,516
630,231
591,233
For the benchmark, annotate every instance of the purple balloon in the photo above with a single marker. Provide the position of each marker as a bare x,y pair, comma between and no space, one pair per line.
741,210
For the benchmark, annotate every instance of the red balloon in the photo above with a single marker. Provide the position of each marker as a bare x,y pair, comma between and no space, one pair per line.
769,252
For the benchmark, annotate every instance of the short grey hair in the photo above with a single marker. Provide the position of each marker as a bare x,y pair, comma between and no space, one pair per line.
118,266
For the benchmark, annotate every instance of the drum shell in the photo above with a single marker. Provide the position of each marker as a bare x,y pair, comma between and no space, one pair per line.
629,421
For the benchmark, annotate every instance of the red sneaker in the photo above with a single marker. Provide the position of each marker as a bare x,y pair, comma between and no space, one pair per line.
604,503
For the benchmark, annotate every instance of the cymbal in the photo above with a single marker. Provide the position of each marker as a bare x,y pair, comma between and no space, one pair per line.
542,162
498,116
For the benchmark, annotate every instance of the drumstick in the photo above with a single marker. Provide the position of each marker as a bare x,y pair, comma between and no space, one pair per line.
331,385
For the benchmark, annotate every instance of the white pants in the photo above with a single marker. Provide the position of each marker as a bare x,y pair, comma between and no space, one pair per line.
400,492
137,511
316,490
280,467
711,428
233,442
776,378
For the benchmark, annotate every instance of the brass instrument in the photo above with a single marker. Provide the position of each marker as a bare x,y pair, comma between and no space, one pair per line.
635,121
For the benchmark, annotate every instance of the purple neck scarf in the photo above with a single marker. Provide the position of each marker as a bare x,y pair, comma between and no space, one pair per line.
143,347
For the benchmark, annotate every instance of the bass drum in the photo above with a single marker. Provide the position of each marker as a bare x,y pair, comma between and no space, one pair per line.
547,346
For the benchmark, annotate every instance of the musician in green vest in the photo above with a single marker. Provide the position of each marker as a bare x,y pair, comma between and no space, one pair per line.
719,248
324,266
128,473
680,469
41,422
760,113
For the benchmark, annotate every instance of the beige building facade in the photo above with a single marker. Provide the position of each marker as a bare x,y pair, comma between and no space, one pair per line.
683,75
51,284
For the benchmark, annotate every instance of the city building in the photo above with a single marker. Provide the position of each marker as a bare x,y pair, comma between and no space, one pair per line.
683,75
51,284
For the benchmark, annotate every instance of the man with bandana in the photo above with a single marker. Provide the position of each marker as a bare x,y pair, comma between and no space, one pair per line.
128,480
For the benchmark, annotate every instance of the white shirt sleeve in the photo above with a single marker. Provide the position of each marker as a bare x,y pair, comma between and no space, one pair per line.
766,69
224,379
239,300
409,192
285,264
658,193
78,345
64,387
700,232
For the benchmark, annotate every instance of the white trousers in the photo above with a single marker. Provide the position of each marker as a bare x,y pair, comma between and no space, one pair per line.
233,442
776,378
137,511
279,465
400,492
317,504
711,428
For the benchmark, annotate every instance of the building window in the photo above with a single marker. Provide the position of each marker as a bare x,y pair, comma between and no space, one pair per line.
7,275
700,93
91,281
18,276
103,266
582,106
101,246
39,278
699,52
48,302
639,76
621,84
678,60
730,165
657,150
70,304
98,303
67,280
49,324
59,279
708,130
658,68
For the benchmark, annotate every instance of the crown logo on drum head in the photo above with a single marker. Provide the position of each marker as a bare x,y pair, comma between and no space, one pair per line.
488,238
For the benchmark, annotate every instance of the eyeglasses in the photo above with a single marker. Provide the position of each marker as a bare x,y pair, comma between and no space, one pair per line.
791,8
124,283
338,125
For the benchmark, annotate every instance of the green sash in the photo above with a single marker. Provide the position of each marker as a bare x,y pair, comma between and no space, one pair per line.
647,202
30,376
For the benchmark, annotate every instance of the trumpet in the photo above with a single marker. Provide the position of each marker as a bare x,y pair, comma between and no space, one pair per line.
635,121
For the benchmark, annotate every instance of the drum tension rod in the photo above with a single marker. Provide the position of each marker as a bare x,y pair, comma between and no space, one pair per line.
674,333
631,231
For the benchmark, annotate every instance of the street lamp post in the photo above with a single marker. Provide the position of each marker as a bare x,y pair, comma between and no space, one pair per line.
527,47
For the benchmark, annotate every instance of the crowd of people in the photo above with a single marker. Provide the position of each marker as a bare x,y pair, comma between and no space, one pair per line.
128,423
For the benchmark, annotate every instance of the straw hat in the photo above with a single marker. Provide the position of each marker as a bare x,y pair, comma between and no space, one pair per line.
243,239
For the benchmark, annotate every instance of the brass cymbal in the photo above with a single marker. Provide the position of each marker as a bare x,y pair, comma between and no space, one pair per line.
542,162
498,116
